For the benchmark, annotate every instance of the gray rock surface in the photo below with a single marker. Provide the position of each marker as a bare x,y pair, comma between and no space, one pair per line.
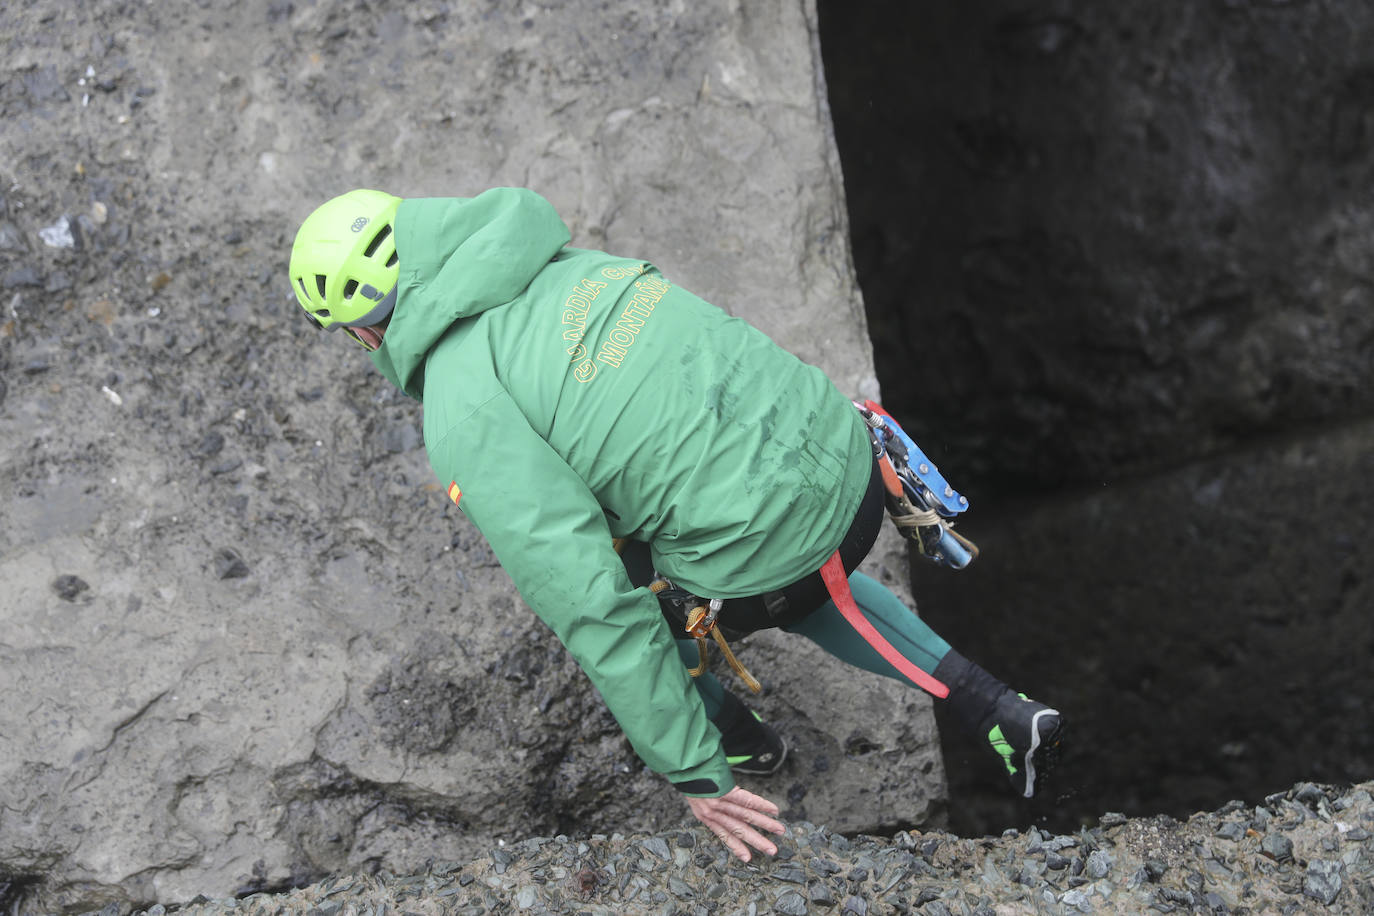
245,643
1215,862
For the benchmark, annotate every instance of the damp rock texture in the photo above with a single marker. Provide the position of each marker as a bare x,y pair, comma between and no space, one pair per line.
1308,850
245,640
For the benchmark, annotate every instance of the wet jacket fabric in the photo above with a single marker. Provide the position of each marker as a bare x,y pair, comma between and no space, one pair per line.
570,397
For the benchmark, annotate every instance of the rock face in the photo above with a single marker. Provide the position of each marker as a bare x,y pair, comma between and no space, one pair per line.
1118,260
1113,238
246,642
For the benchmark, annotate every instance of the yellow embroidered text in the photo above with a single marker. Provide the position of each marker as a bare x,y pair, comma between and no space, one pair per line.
648,291
575,309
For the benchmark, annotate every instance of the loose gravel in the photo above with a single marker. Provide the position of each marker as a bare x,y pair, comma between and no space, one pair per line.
1307,850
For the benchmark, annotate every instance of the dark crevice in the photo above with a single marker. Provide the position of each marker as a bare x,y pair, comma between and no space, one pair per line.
14,889
1151,387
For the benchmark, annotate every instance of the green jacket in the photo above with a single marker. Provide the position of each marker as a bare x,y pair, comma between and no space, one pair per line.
571,397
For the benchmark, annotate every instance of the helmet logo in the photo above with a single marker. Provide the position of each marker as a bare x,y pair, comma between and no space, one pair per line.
359,223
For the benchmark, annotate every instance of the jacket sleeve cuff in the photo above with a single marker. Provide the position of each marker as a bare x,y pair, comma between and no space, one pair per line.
710,780
700,788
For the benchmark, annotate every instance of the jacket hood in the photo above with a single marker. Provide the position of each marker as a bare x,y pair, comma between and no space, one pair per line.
459,257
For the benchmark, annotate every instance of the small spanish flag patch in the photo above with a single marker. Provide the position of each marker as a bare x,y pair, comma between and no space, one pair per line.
454,493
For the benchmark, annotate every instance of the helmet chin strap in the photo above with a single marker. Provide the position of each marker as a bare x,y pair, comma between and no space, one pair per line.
371,338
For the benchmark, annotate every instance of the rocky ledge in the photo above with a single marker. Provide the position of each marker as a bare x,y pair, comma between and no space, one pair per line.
1302,851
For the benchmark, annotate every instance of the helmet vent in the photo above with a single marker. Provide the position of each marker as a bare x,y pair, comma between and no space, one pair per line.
319,284
391,261
349,288
376,240
300,281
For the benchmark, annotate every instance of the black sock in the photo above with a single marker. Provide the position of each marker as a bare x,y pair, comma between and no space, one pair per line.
972,691
731,711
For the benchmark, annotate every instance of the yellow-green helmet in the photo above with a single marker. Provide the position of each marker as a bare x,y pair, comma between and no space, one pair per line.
343,263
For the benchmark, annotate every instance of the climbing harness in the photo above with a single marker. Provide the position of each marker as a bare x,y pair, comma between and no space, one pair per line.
920,503
701,614
701,623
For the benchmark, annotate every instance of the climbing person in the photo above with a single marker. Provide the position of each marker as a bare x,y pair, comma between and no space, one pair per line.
652,472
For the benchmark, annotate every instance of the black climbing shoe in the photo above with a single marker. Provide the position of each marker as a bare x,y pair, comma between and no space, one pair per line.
1025,736
751,746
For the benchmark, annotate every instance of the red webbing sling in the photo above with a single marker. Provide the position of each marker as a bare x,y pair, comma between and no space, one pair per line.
837,583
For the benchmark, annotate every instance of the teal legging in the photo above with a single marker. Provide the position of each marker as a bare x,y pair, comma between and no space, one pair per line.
827,628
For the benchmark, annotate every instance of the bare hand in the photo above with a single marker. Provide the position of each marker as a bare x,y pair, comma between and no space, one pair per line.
733,817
